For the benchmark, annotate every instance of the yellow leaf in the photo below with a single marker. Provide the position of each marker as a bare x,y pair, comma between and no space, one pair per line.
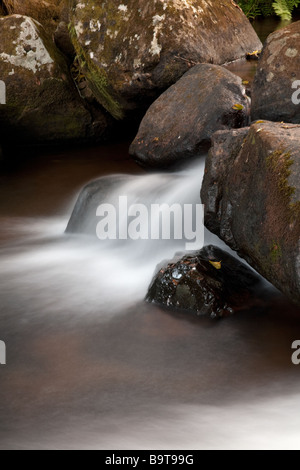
245,82
216,264
238,107
259,122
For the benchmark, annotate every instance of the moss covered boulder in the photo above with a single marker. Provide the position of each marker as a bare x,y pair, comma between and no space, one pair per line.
180,123
276,88
251,192
207,282
132,50
42,103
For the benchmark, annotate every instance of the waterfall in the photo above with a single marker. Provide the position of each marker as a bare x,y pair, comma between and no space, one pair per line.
90,365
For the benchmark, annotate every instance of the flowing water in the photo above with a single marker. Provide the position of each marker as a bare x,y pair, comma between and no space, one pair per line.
91,366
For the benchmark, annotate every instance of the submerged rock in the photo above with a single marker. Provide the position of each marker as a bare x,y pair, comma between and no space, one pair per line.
42,103
208,282
276,87
251,193
103,190
131,51
182,120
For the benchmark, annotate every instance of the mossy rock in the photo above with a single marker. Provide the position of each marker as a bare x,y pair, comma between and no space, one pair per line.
275,91
133,50
42,103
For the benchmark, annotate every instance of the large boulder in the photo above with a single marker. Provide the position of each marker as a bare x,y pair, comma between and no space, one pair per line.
42,103
183,119
251,192
207,282
275,93
104,190
133,50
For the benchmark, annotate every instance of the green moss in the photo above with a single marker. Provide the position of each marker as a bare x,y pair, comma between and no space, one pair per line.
279,163
96,77
275,252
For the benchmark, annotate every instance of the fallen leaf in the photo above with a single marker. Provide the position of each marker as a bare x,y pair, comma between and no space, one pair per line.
216,264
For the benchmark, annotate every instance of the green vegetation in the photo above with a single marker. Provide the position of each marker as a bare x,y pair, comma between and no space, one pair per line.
282,8
84,68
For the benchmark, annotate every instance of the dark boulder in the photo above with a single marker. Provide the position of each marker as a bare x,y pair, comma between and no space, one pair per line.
275,93
251,193
183,119
83,219
207,282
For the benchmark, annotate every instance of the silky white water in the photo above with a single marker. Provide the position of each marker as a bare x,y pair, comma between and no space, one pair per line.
90,365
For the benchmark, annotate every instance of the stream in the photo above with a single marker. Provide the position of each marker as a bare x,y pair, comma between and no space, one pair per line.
90,366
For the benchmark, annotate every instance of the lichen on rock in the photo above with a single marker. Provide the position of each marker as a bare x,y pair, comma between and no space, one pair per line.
42,103
28,49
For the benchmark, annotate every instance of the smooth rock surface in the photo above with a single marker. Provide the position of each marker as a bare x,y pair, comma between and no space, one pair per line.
206,282
42,103
182,120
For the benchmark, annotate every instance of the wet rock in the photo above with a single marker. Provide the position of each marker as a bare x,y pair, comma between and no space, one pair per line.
83,219
42,103
251,192
132,51
182,120
45,12
277,78
207,282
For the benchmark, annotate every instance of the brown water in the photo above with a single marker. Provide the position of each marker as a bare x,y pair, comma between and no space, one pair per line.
89,365
263,27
